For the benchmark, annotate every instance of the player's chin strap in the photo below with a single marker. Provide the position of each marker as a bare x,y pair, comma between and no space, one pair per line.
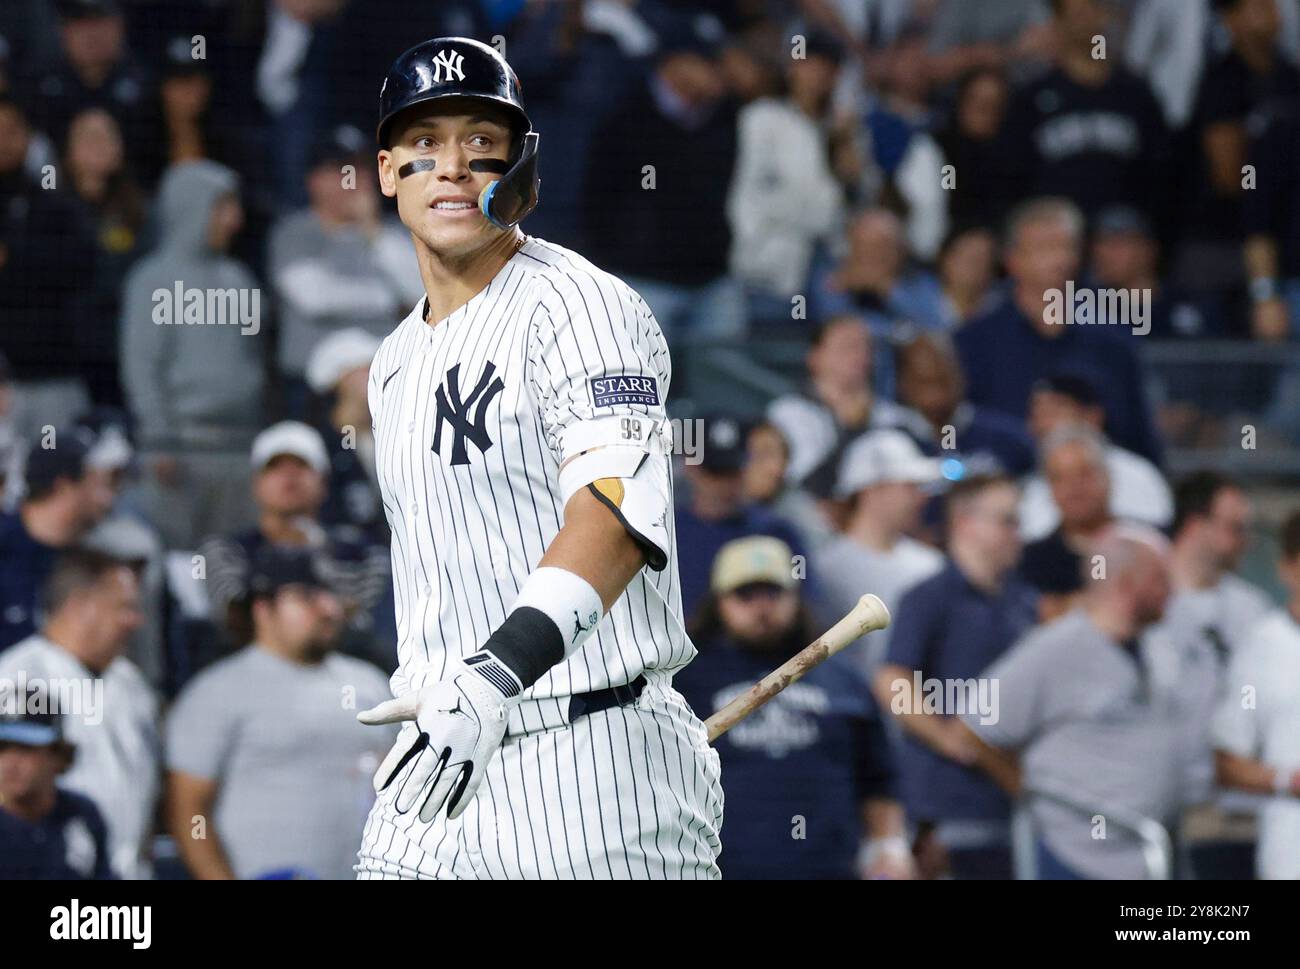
510,198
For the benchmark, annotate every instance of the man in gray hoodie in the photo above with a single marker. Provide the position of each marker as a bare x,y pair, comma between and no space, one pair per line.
193,358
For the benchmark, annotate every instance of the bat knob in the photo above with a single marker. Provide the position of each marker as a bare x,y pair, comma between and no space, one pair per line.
873,614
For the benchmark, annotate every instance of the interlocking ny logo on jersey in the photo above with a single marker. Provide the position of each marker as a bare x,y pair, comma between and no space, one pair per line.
446,66
455,411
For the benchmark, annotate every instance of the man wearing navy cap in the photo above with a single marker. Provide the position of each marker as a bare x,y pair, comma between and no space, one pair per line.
46,833
61,505
717,512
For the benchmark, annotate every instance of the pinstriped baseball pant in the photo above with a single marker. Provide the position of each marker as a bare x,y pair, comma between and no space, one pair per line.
628,792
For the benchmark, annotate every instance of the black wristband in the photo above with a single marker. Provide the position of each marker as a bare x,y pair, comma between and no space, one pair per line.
528,642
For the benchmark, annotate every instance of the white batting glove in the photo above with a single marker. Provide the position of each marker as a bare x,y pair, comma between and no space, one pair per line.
462,719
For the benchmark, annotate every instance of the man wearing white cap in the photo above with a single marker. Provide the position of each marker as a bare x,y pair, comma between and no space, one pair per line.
338,372
884,475
290,484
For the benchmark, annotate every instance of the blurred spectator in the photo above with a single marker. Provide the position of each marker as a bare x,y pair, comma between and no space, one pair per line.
279,57
930,382
112,204
895,127
290,481
765,484
46,833
1126,255
193,357
1074,467
1079,711
41,235
185,96
578,62
62,502
784,199
1210,618
264,745
968,264
1170,40
751,69
1166,44
126,536
1138,492
1212,608
816,751
198,117
716,511
883,476
1272,254
661,225
338,373
340,262
96,68
1088,130
1008,350
92,606
1256,730
1245,88
201,117
1272,224
874,281
837,404
973,34
947,630
970,142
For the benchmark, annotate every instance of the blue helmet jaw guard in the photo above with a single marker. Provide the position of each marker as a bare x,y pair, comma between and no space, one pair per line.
507,201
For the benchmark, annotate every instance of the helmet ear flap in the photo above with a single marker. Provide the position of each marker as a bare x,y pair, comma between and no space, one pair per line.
507,201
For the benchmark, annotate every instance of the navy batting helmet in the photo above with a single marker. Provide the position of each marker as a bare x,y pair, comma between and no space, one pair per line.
461,68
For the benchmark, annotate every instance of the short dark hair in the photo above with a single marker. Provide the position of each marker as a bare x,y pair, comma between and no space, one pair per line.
962,491
1223,6
75,571
1290,537
1194,496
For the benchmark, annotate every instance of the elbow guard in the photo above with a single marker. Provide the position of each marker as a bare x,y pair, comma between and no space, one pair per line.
623,461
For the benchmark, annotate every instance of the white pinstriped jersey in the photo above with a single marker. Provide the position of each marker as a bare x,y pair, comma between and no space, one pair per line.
469,418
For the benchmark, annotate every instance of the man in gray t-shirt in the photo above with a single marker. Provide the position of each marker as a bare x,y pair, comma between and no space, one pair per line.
264,746
1078,705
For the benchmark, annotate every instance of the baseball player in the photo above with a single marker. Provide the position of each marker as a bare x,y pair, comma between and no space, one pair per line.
524,462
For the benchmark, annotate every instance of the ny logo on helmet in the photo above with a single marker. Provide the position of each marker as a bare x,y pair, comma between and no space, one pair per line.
447,66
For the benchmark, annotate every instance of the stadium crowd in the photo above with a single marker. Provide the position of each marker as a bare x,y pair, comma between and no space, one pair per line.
193,552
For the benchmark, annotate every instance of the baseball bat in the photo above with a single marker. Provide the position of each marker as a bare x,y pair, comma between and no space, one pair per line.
868,615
